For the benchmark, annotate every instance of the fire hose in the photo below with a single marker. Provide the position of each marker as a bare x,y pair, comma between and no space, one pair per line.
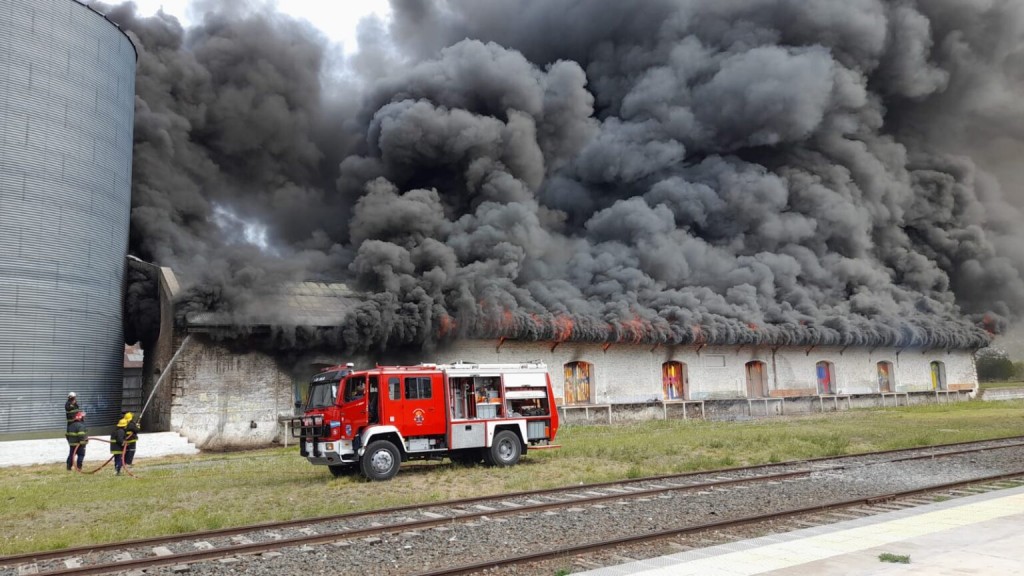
144,407
102,466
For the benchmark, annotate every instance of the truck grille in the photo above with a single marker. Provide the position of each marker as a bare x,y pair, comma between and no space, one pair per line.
309,429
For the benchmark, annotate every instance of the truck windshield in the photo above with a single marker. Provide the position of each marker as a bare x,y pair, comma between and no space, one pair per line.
322,394
323,388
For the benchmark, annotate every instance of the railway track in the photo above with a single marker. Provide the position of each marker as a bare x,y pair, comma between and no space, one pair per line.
372,526
861,506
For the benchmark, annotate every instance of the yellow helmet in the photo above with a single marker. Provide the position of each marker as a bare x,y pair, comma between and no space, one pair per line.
122,423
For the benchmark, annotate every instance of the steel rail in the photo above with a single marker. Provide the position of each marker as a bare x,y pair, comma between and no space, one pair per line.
603,544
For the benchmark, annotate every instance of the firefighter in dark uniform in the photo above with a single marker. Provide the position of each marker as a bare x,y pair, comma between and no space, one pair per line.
117,439
77,439
132,429
71,407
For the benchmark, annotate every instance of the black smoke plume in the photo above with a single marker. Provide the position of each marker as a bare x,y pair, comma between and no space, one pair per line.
755,171
141,305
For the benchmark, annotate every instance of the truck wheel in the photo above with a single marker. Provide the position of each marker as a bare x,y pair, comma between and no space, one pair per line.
341,469
380,460
505,450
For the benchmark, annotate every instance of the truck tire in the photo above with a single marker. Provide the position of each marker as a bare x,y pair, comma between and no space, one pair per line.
380,460
338,470
505,450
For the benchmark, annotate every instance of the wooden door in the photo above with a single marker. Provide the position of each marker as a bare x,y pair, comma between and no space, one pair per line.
757,382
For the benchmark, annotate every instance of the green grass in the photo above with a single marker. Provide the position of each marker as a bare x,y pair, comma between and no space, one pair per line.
45,507
894,558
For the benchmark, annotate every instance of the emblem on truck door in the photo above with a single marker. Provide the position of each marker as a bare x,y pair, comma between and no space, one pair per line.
417,416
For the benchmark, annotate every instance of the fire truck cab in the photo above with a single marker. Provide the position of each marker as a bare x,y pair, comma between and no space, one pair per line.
378,418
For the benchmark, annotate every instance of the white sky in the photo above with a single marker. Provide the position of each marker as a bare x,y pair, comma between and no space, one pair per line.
336,18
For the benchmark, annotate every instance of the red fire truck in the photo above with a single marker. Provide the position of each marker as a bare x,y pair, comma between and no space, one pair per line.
373,420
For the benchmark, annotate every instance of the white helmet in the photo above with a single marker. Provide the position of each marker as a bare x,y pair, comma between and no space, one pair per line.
72,395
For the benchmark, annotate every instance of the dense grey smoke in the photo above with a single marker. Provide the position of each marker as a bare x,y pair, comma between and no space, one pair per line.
756,171
141,305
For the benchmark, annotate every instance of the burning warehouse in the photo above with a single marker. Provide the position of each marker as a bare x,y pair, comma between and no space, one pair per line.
678,200
233,383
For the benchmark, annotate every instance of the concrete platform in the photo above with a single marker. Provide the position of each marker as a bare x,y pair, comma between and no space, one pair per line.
55,450
979,534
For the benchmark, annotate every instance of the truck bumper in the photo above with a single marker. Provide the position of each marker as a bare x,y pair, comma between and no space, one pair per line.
330,453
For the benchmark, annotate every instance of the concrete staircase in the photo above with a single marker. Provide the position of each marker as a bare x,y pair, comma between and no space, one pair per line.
164,444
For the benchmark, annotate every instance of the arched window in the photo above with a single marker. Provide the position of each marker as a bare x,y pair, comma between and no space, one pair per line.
885,378
757,379
826,377
938,375
674,380
577,382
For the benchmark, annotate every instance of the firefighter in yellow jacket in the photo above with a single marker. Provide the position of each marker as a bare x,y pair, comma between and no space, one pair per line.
117,440
132,428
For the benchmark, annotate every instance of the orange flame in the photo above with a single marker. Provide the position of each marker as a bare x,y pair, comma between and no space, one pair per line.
445,325
563,326
636,330
988,324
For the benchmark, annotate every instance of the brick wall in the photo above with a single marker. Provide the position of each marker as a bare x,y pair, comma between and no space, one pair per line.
219,394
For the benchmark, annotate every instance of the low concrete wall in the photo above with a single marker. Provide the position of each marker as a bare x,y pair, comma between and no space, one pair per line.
995,394
741,408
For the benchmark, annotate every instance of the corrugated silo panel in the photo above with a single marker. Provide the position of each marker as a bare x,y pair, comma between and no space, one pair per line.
67,84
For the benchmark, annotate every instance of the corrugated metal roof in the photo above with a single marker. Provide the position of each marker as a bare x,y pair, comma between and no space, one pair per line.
294,304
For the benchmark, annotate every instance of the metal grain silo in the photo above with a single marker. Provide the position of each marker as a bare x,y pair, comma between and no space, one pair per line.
67,88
